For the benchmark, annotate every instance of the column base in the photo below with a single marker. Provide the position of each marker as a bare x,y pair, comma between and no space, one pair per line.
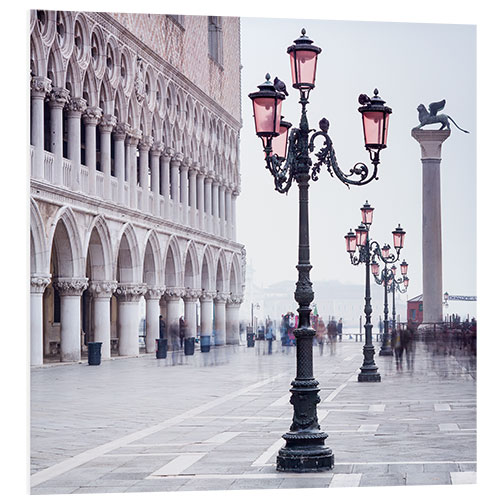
385,351
305,452
367,376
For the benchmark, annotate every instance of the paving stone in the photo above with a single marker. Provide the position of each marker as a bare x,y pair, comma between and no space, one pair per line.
372,479
415,478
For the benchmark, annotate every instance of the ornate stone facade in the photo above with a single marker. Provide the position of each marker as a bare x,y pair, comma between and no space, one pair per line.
134,178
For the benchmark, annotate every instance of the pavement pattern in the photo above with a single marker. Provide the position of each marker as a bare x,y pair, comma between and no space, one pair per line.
213,421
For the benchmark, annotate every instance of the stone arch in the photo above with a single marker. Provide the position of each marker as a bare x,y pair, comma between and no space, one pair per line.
99,251
38,64
112,61
55,69
128,263
191,267
157,129
152,272
133,113
221,272
126,71
173,261
39,255
106,97
90,92
81,49
73,81
97,52
66,245
207,275
120,105
46,25
235,276
64,37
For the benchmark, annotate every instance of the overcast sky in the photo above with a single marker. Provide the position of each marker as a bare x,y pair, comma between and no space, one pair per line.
409,64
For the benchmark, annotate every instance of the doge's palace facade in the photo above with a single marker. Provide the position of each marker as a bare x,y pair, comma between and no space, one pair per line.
135,123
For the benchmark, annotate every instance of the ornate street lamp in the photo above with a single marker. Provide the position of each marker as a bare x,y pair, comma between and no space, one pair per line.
305,448
387,279
397,284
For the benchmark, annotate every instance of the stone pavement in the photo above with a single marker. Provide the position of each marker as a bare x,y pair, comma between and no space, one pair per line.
214,421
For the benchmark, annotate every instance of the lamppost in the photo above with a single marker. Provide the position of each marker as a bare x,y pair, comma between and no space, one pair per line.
387,258
256,306
287,158
368,250
395,285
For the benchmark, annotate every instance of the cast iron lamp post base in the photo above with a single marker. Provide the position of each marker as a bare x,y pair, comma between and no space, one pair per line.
385,351
369,370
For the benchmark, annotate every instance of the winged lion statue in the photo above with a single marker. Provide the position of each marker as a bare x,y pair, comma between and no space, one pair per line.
428,117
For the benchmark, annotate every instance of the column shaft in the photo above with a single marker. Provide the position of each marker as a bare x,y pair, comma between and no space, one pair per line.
58,99
91,117
190,317
200,201
206,323
40,86
152,323
102,324
220,322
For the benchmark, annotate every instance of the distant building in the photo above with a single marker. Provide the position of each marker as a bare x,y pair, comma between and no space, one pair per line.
415,309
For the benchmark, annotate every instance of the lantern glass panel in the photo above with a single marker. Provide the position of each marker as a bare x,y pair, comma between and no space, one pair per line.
267,114
350,241
375,268
303,63
280,143
404,269
375,126
385,252
361,235
367,215
399,238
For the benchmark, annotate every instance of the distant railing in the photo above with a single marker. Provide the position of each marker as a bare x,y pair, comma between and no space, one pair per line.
48,167
67,167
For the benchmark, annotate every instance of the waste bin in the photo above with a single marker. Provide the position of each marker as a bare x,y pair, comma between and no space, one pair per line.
161,348
250,340
94,353
205,343
189,346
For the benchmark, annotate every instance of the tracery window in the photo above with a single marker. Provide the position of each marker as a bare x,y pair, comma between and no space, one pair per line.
215,38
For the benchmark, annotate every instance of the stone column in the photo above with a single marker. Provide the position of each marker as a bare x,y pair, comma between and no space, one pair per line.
74,109
120,132
220,318
234,195
200,201
57,100
222,207
215,206
144,147
430,145
38,285
153,296
91,118
208,201
184,189
232,319
190,297
167,154
106,126
101,292
40,87
175,163
70,292
206,312
156,150
128,295
133,139
172,298
193,171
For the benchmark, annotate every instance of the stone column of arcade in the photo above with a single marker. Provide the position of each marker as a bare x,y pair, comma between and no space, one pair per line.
193,171
190,297
106,126
101,292
215,206
172,298
57,100
220,318
175,164
74,109
156,150
208,201
40,87
38,285
70,292
206,312
144,147
432,261
128,295
91,118
232,319
186,163
222,207
200,198
165,158
120,132
234,195
153,296
133,138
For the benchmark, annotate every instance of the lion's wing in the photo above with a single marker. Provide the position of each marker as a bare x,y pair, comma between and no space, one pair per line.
434,107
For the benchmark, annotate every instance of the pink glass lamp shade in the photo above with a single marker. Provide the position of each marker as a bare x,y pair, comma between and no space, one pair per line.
375,267
267,109
375,120
399,237
367,213
350,241
404,268
361,235
385,251
406,280
280,143
303,59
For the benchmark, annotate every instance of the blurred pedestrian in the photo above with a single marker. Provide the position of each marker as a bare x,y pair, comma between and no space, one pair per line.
182,331
269,335
332,335
320,335
339,329
162,327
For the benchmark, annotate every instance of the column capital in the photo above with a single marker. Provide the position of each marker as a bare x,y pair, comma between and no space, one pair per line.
217,179
39,282
186,163
40,87
157,148
155,292
191,294
130,292
76,106
173,293
168,152
102,289
234,300
92,115
210,177
194,167
202,172
58,97
145,143
71,286
207,295
221,297
134,136
121,130
430,142
107,123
